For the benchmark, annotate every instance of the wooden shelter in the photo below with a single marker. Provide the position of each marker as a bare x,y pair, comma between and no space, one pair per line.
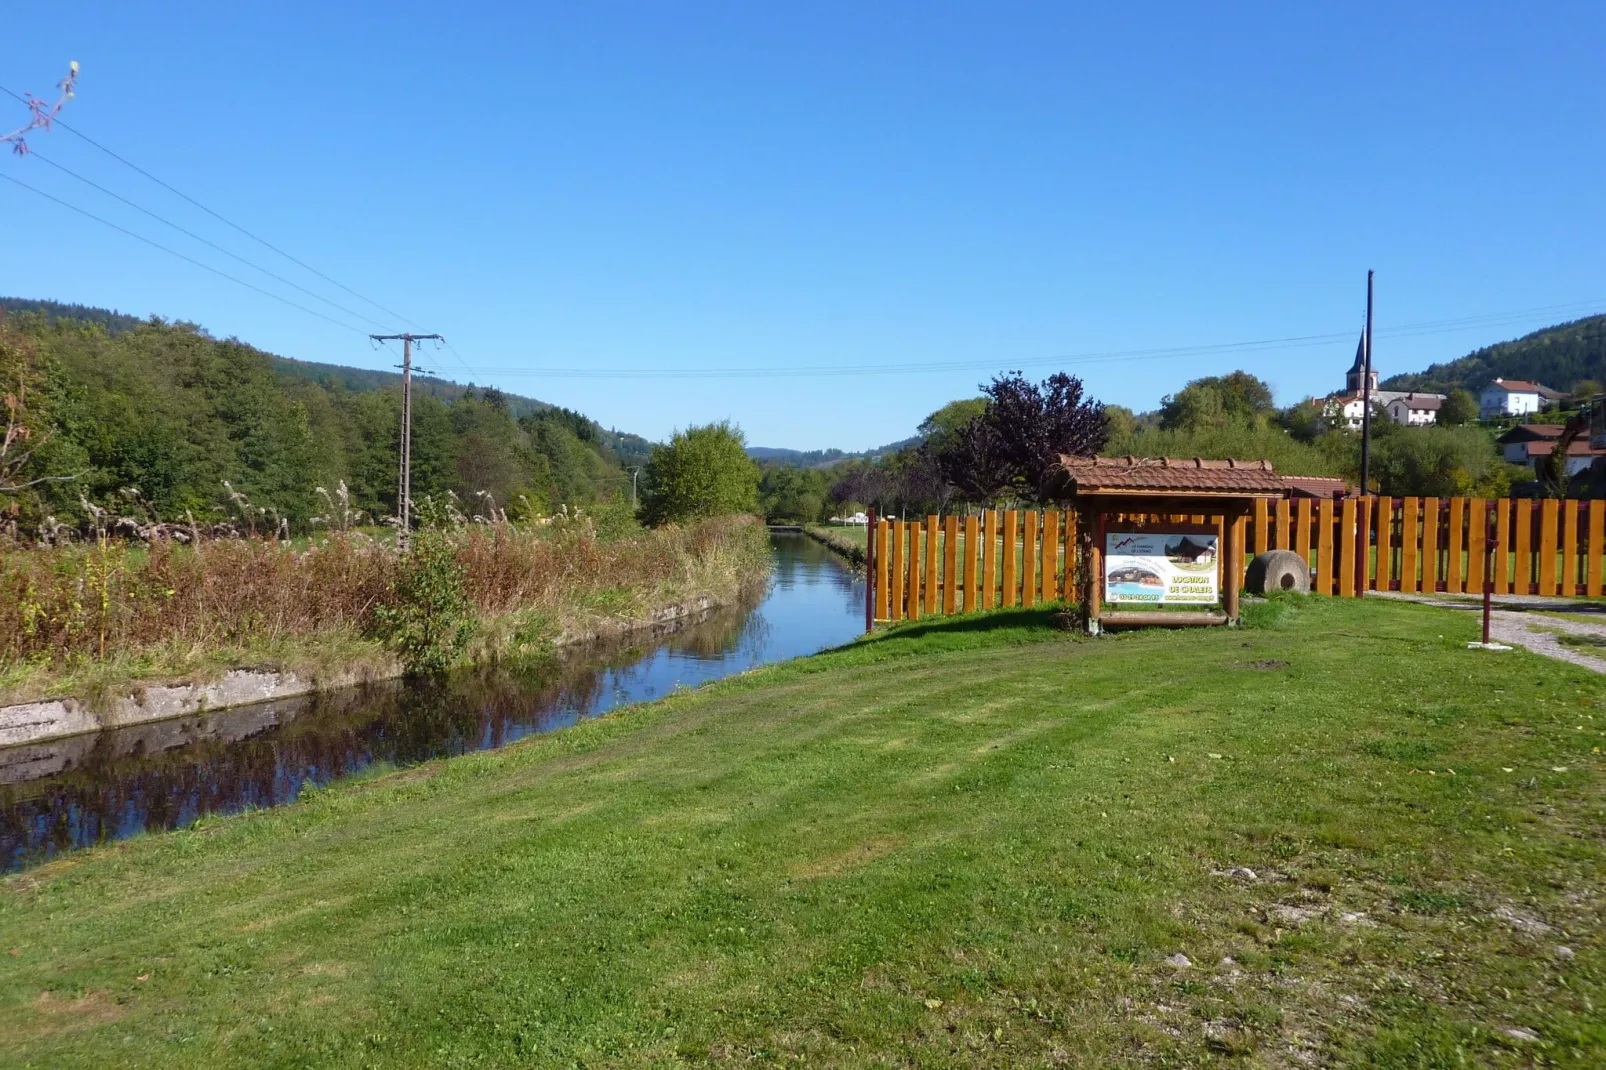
1174,505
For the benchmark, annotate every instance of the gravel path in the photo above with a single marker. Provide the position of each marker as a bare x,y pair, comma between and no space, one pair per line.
1525,620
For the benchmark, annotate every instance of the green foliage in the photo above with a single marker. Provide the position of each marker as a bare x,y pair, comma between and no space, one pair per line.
1555,356
1459,407
427,618
1332,454
940,427
173,413
700,472
788,493
1439,461
1237,397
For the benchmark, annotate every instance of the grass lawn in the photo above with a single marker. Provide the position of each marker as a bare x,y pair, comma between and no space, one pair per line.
973,841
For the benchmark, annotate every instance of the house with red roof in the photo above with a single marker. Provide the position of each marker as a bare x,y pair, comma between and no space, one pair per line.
1515,397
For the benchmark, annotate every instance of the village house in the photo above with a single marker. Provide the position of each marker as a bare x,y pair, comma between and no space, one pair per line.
1406,408
1530,444
1414,410
1515,397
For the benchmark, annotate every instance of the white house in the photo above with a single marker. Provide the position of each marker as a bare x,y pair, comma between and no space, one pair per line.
1343,410
1514,397
1414,410
1534,454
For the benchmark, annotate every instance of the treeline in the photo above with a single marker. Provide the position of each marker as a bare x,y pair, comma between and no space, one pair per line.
163,418
1570,357
1000,448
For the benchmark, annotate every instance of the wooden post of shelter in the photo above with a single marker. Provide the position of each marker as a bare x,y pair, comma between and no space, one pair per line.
1116,496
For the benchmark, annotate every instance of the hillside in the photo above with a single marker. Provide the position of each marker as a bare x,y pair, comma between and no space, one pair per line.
822,458
1559,357
189,421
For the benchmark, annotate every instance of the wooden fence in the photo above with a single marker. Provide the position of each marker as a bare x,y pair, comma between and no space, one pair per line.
1003,558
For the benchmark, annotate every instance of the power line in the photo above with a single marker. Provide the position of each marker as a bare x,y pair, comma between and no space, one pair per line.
35,154
1114,356
218,216
181,256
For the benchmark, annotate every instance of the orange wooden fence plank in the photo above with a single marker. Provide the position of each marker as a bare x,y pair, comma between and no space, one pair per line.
1051,555
1547,546
990,559
1430,545
1324,547
1385,544
972,547
1569,548
911,587
1262,523
950,564
1366,507
1456,507
1028,578
933,561
1345,557
1068,580
1409,533
1522,528
1302,530
1011,531
881,570
898,536
1477,544
1502,538
1285,523
1595,548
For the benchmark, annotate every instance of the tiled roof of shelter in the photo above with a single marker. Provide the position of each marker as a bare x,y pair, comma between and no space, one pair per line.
1115,475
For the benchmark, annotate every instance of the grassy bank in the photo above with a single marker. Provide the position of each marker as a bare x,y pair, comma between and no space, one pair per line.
974,842
845,540
91,619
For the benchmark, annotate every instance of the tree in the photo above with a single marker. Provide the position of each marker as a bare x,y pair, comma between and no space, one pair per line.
1238,397
1016,443
1459,407
938,428
1440,461
700,472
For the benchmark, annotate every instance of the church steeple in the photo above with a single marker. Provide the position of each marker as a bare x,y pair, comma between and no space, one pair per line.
1355,381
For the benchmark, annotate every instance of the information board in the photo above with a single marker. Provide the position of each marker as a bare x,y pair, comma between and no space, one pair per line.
1160,568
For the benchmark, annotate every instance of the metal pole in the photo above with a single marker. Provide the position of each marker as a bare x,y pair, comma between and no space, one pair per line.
1366,395
869,573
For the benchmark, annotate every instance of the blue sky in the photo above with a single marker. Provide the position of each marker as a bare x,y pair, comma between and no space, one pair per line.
656,186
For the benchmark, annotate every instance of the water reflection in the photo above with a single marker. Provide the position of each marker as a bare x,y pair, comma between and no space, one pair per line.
68,793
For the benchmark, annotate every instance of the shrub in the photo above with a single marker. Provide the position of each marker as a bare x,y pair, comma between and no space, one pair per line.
426,618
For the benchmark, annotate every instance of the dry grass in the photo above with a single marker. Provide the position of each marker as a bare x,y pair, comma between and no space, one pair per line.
116,607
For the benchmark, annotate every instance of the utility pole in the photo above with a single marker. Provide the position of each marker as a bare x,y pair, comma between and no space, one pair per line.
634,470
404,491
1366,394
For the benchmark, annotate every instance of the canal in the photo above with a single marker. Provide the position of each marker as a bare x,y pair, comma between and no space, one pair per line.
69,793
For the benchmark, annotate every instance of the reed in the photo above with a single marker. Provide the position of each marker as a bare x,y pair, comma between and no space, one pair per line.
72,603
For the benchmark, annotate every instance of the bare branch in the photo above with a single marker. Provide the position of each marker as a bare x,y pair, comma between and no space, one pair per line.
41,114
14,488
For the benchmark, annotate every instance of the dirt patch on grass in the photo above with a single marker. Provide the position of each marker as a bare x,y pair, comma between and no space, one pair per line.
54,1015
836,865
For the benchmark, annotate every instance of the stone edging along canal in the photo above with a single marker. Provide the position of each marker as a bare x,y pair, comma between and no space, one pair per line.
34,722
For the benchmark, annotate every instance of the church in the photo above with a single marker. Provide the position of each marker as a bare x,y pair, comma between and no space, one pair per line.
1406,408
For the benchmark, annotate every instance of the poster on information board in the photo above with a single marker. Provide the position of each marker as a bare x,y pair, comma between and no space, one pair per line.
1160,568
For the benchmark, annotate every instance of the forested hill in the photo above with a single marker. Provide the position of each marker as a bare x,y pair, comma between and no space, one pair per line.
174,413
821,458
1560,357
